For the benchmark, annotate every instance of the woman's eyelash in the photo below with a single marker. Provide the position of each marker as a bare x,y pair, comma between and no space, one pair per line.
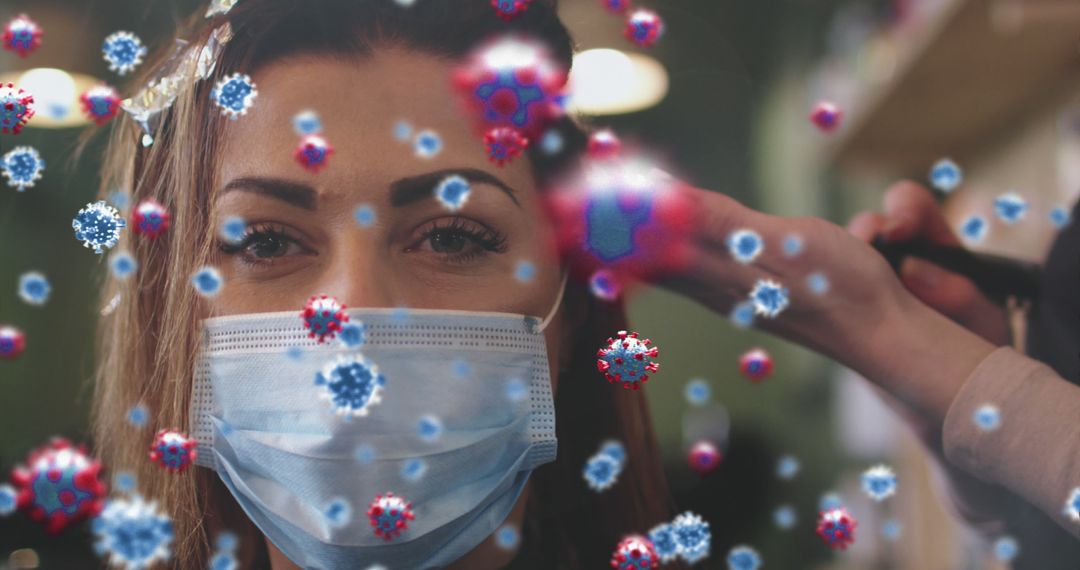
251,235
487,238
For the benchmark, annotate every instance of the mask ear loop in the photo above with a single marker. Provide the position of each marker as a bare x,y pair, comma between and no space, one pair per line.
538,327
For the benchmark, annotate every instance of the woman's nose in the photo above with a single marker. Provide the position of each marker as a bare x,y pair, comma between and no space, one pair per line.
359,276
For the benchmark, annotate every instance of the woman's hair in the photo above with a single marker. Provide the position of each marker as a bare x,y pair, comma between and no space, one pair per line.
148,345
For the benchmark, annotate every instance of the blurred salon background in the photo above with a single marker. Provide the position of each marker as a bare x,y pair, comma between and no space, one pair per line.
725,97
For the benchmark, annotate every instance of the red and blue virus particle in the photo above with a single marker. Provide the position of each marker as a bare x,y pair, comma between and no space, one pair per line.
323,317
604,285
509,9
974,229
743,557
234,94
987,417
756,365
124,51
603,144
628,360
662,537
22,35
172,450
511,82
390,515
1071,510
133,533
704,457
644,27
504,144
16,108
312,152
98,226
693,536
351,384
12,342
602,471
879,482
634,552
826,116
769,297
745,245
22,166
1010,207
836,527
452,192
100,103
207,281
427,144
8,500
34,288
616,6
59,485
946,175
307,123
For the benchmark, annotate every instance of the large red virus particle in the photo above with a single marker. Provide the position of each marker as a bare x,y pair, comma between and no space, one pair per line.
644,27
628,360
634,552
323,317
390,515
504,144
836,527
100,103
756,365
172,450
16,108
704,457
150,218
12,342
59,485
22,35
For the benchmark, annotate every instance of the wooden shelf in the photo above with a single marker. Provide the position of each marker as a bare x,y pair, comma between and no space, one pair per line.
980,67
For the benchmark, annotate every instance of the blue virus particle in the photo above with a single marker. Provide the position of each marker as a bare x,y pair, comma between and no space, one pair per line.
224,561
338,513
829,501
364,454
987,417
793,245
123,51
122,265
137,415
452,192
307,123
234,94
8,500
133,533
119,199
427,144
769,297
429,428
352,334
516,390
817,283
601,471
233,229
946,175
507,537
698,392
743,558
1059,217
974,228
1010,208
551,142
693,536
227,541
402,131
351,384
98,226
364,215
294,353
207,281
663,539
614,449
1071,509
787,467
1006,548
34,288
612,222
891,529
879,482
745,245
525,271
124,482
22,166
461,368
413,469
742,315
784,517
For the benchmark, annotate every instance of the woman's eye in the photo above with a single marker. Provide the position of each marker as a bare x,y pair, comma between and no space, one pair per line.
263,244
448,242
458,240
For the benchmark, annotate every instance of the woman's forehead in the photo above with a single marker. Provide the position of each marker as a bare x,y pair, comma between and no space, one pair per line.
359,101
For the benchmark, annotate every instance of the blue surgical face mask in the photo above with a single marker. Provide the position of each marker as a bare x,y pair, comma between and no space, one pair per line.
464,415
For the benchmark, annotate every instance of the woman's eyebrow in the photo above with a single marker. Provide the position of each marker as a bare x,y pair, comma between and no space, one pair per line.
414,188
298,195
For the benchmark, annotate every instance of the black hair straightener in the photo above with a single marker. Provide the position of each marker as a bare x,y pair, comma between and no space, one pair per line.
997,277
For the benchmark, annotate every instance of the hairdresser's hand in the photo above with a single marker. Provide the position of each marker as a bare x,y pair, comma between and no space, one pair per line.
911,213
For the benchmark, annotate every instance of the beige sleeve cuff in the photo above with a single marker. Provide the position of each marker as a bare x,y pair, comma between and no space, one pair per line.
1035,451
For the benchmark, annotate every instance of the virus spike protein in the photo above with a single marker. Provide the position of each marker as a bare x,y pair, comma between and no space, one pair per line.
628,360
172,450
390,515
836,527
323,317
16,108
634,552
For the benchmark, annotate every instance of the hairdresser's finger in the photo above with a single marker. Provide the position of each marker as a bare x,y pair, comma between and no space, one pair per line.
956,297
912,213
721,215
866,225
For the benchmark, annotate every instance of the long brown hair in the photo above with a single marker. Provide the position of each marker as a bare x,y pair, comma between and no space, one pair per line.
147,346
